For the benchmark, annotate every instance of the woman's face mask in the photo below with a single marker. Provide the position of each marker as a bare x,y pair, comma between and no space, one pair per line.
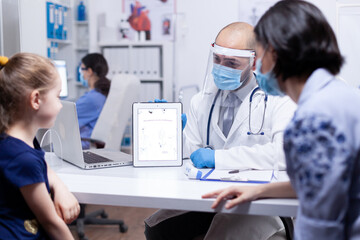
82,79
226,78
267,82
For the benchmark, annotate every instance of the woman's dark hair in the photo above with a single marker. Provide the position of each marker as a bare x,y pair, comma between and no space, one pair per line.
98,65
301,37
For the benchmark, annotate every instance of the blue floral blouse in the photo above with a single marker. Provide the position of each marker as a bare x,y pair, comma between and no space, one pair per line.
322,145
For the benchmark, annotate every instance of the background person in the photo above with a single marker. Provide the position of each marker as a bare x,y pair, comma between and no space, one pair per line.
93,69
29,99
229,73
299,56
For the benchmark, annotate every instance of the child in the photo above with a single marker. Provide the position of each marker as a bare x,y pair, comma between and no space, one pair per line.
29,100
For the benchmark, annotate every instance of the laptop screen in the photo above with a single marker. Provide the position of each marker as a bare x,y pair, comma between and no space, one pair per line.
61,67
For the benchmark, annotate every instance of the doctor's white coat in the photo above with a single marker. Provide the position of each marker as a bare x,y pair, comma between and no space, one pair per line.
240,150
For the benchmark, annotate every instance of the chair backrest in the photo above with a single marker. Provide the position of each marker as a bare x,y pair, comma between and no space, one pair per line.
111,124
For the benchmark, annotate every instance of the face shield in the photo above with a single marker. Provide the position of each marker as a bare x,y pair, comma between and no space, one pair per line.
227,69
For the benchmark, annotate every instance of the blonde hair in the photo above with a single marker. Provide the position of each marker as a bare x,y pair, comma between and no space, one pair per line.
19,76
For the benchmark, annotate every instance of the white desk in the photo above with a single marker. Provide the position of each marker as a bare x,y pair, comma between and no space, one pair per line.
161,187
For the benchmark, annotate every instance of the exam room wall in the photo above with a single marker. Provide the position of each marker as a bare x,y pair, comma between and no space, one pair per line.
198,22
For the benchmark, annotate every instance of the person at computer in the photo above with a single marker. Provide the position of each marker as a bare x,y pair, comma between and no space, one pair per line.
299,56
34,203
229,127
94,68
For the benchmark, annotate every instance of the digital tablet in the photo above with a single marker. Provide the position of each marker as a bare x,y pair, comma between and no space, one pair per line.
157,134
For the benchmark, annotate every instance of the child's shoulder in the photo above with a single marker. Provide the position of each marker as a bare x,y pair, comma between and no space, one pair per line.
12,148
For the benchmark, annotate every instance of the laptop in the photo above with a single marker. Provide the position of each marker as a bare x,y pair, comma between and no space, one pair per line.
67,143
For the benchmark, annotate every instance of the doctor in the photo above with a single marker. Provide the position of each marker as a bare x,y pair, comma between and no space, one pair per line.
231,125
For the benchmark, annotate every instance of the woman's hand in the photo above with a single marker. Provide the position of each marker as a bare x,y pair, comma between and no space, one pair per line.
241,194
234,194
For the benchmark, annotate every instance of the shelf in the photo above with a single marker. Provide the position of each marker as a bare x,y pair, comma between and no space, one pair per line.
150,80
126,43
82,22
59,41
79,84
82,49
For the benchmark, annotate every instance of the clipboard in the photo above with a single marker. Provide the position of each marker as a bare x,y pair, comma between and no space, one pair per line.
244,176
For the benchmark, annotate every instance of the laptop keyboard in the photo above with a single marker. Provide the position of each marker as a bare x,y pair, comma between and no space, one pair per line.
90,157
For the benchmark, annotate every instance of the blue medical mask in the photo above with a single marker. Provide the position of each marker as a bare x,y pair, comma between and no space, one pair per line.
226,78
267,82
82,79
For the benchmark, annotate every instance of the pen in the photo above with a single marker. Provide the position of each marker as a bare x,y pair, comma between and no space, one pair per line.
238,170
234,178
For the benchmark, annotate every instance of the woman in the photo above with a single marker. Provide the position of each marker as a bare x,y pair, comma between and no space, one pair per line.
93,69
298,55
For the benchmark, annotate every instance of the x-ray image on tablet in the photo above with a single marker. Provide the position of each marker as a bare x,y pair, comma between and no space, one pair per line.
157,134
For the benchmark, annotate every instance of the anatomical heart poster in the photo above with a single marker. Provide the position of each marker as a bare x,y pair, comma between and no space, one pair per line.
150,19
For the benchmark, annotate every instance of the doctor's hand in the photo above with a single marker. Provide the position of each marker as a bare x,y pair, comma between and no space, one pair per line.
159,100
183,120
203,157
183,116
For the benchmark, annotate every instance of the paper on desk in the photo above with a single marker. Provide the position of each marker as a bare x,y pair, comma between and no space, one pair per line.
192,172
242,176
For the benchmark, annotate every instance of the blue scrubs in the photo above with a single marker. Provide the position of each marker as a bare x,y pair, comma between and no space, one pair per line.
88,108
20,165
322,146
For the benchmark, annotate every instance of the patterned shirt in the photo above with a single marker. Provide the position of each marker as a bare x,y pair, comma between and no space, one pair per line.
322,144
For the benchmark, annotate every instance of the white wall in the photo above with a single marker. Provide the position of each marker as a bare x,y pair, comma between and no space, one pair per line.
198,22
33,27
113,11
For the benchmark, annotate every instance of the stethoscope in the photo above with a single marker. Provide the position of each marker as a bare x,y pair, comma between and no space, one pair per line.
250,132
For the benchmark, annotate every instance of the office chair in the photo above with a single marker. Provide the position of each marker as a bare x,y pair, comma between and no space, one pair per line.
289,227
111,124
108,132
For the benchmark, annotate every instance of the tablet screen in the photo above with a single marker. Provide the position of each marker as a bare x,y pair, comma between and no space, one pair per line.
157,134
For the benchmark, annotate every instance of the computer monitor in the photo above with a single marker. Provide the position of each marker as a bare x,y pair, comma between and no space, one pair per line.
61,67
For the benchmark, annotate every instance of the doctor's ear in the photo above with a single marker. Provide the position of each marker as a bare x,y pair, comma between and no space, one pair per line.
35,100
253,67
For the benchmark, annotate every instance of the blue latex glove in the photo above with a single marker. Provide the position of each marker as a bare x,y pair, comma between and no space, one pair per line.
203,157
183,120
183,116
160,100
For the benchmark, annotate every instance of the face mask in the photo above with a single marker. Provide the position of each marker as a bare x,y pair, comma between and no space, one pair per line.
226,78
267,82
82,80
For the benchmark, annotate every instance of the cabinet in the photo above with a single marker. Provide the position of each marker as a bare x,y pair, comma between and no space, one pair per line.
67,39
152,62
81,48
